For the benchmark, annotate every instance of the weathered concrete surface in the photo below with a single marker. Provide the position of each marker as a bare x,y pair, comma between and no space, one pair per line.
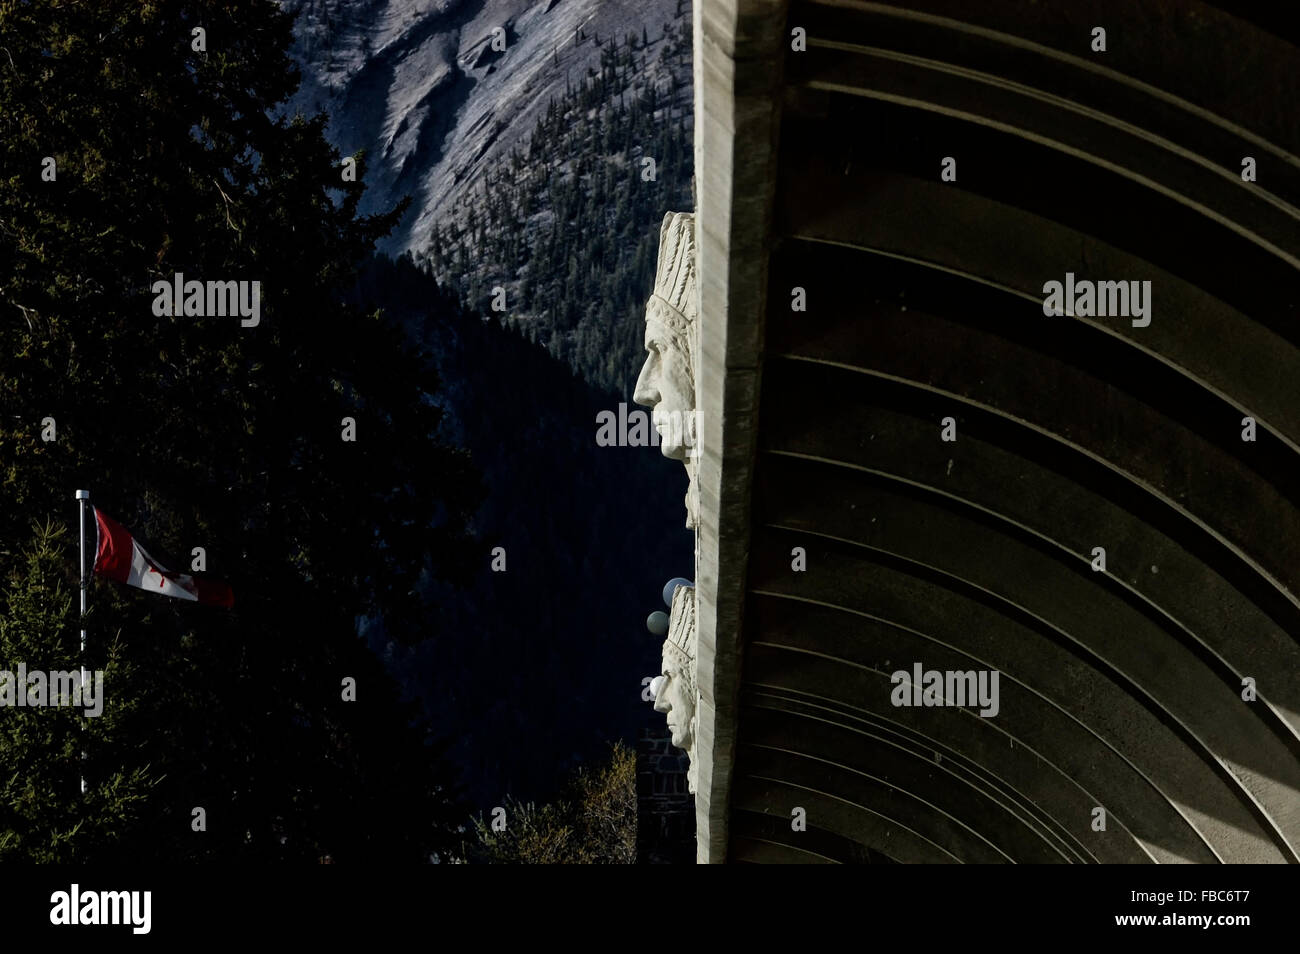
738,63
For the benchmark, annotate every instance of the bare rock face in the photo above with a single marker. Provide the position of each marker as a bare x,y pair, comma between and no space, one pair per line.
437,91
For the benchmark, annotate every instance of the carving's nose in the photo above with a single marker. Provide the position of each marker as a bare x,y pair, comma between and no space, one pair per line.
645,393
661,696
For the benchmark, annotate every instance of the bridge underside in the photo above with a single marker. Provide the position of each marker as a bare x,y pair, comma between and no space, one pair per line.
823,432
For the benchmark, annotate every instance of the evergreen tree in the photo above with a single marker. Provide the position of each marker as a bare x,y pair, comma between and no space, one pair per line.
43,815
584,169
197,431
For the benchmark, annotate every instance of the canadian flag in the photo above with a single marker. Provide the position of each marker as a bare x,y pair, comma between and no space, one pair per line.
120,558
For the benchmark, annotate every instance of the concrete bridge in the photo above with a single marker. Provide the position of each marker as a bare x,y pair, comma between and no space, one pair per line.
880,390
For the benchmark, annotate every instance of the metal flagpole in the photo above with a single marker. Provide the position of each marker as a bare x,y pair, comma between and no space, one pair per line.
82,497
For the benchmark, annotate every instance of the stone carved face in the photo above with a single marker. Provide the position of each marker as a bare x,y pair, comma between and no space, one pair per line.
675,698
667,386
666,383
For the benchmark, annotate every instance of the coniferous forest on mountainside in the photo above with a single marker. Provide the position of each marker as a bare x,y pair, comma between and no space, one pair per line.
568,224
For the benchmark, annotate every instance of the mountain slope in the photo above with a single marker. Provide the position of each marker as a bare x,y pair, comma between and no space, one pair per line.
418,85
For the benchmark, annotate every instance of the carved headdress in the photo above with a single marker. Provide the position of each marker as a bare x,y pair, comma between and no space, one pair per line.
673,300
679,646
680,642
674,305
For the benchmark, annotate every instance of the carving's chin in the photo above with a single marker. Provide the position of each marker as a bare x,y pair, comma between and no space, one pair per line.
673,451
680,737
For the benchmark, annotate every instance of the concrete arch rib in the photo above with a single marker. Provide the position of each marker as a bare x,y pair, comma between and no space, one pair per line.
821,78
1185,194
1241,372
1069,61
1146,487
823,719
845,812
1074,744
1282,723
1245,774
